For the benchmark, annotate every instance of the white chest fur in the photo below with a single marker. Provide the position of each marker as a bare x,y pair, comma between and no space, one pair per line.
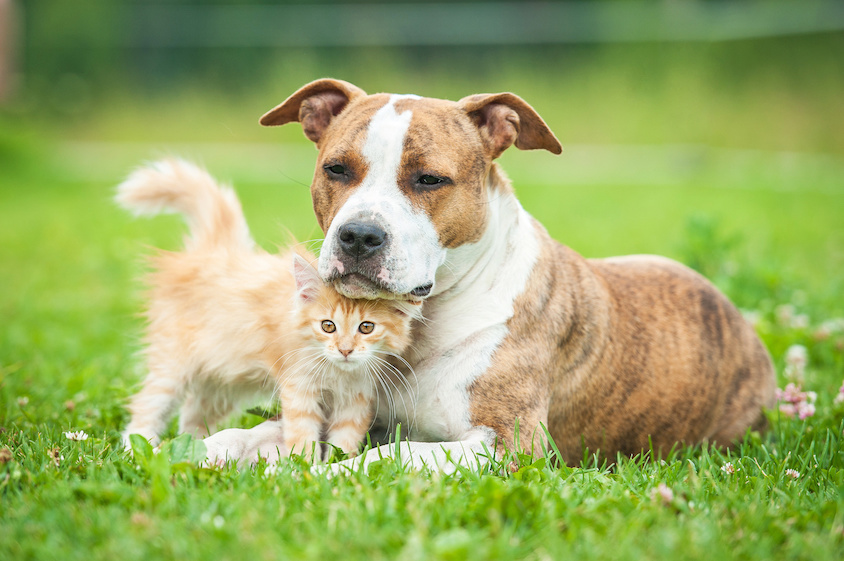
465,324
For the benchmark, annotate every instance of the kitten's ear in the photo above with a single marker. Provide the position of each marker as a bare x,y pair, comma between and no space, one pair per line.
307,278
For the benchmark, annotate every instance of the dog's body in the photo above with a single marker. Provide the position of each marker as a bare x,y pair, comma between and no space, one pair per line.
615,355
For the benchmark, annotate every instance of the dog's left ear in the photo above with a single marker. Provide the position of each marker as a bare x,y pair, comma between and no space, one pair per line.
505,119
314,105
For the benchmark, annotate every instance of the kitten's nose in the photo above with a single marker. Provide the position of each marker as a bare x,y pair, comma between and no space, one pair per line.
345,352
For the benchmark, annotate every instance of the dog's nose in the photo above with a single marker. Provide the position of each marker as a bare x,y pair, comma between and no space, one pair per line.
422,291
361,240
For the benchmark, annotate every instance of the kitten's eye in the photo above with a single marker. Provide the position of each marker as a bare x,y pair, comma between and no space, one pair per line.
366,327
328,326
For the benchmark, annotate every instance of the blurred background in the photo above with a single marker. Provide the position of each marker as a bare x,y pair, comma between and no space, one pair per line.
709,131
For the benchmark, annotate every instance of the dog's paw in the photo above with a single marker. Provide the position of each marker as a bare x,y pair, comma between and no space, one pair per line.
243,446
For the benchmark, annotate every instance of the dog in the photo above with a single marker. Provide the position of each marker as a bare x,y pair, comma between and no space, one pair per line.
524,338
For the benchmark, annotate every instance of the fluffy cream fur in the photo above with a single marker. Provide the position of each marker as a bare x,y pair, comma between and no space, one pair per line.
228,321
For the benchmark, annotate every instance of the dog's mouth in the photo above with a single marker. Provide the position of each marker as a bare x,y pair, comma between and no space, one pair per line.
357,285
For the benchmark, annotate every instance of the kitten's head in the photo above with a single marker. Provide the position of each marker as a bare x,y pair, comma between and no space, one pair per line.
349,332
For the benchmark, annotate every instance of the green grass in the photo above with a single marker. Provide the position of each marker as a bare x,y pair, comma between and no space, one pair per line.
766,226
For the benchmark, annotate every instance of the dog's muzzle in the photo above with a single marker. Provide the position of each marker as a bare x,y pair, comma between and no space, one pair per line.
366,261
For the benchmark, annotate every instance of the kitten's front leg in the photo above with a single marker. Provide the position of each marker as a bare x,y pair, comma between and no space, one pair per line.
349,422
302,419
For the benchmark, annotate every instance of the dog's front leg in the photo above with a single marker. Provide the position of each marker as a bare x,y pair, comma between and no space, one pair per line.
247,445
472,451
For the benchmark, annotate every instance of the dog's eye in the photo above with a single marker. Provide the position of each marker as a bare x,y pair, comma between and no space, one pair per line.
429,180
335,170
328,326
366,327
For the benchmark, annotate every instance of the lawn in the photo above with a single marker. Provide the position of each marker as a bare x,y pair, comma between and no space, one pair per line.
765,222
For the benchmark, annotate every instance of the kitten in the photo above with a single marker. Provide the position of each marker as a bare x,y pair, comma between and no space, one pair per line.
228,321
348,344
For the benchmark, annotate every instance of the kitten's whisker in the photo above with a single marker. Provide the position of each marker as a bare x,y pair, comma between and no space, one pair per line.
374,385
313,377
392,354
388,379
399,374
372,379
290,354
281,372
293,368
312,241
403,361
391,405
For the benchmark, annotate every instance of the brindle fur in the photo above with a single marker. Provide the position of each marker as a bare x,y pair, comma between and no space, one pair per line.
618,356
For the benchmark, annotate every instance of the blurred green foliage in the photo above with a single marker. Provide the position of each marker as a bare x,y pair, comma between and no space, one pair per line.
82,61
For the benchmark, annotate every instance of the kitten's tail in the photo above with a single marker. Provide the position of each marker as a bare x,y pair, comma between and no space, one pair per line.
212,211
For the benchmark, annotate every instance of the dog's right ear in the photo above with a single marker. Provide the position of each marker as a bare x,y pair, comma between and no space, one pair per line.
313,105
505,119
307,278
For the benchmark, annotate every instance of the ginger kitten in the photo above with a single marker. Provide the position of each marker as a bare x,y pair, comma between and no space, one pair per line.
228,321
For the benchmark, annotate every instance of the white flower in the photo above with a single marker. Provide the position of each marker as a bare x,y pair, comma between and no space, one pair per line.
797,355
728,468
796,358
800,321
793,473
826,329
78,435
664,493
23,401
784,313
833,325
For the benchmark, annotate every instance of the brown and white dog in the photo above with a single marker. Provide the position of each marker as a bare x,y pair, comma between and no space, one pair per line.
611,354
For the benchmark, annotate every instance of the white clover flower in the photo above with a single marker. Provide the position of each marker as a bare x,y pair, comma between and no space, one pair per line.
784,313
792,473
797,355
800,321
839,399
796,359
664,493
829,327
728,468
78,436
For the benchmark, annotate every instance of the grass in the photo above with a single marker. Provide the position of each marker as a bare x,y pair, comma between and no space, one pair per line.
766,226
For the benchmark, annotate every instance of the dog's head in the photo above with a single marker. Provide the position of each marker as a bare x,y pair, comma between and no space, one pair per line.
400,180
